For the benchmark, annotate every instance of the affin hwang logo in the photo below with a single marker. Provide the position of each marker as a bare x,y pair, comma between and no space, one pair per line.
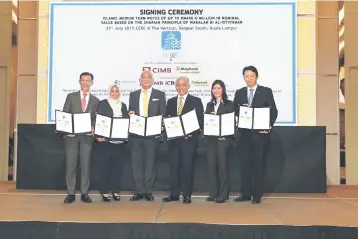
171,44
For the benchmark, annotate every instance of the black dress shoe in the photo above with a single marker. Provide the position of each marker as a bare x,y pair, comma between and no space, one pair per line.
85,198
170,199
69,199
256,200
116,197
210,199
136,197
106,198
186,200
220,200
149,197
242,199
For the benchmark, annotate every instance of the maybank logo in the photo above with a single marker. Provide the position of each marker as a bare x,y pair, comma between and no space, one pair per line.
188,70
200,83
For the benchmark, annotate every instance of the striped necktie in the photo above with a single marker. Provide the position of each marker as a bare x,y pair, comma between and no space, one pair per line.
180,105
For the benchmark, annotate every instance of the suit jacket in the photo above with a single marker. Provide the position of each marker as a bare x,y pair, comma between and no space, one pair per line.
155,107
73,104
191,103
229,107
103,108
263,98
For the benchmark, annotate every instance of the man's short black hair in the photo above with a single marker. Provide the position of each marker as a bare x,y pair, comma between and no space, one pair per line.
87,74
250,68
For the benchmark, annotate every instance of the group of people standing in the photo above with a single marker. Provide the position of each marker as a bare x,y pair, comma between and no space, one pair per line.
149,102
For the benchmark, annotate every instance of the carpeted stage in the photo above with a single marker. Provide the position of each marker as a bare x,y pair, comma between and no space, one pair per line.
42,215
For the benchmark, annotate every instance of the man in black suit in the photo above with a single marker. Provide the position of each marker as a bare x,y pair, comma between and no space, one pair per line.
147,102
253,144
183,151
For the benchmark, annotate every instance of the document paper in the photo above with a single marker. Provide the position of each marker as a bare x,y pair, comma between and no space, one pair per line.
120,128
82,123
211,125
63,122
103,126
190,122
173,127
154,125
262,118
228,124
137,125
245,117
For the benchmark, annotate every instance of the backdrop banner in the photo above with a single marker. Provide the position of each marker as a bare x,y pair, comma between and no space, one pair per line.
116,41
296,162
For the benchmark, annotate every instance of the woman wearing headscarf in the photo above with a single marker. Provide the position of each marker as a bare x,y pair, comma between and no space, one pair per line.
110,151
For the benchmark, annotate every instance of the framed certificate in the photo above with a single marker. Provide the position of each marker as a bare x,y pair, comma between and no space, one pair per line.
76,124
219,125
145,127
111,128
254,118
181,126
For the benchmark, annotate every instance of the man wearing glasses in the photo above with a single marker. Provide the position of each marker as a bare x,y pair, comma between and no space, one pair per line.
146,102
182,152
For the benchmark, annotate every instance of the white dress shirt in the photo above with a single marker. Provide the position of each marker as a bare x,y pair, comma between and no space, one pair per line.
216,106
183,100
87,98
141,106
253,93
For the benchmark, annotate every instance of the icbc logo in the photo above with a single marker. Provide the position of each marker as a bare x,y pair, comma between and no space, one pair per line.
169,82
157,69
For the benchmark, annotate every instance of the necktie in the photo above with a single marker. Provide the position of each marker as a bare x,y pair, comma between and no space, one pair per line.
180,105
83,102
251,96
145,103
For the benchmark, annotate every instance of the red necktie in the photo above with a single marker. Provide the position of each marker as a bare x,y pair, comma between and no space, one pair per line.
83,102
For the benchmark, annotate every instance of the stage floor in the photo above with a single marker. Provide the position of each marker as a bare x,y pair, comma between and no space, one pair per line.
339,207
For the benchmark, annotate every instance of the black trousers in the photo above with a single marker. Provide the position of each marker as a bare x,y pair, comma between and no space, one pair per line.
218,153
143,154
252,151
182,153
110,165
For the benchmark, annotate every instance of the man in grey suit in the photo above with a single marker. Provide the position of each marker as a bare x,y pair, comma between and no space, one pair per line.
78,102
147,102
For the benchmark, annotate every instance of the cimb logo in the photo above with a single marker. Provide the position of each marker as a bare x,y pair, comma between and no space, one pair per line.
157,69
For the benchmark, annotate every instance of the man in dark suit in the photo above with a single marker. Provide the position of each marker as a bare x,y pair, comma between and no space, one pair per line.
78,102
147,102
253,144
183,151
